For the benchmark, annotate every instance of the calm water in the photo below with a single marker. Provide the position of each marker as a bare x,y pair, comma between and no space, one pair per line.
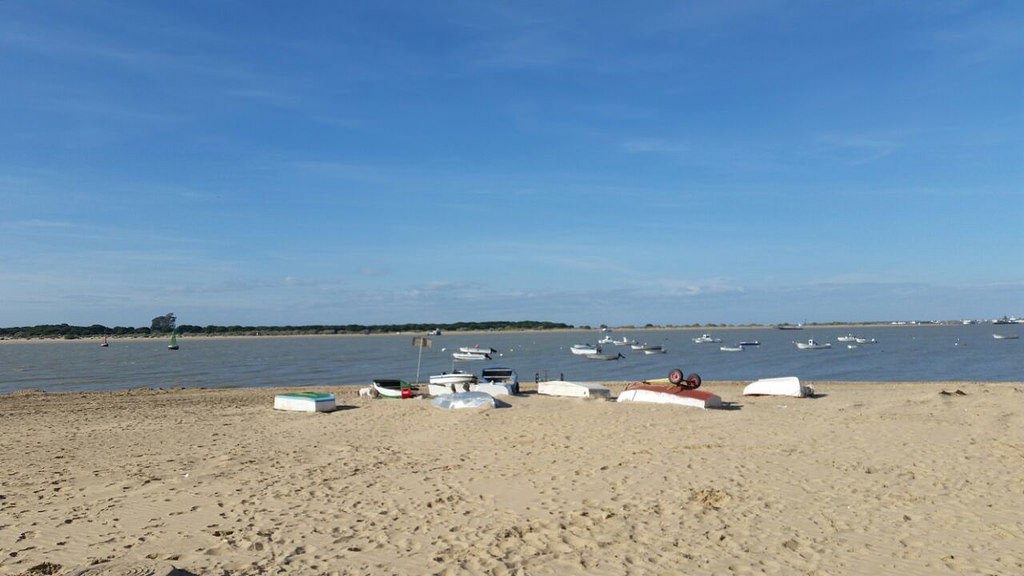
905,353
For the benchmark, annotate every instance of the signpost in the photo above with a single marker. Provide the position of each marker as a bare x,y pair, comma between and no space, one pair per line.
420,343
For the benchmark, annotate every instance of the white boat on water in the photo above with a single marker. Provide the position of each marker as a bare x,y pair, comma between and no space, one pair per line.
706,339
470,356
812,344
731,348
606,340
615,356
865,341
847,338
1005,336
650,351
476,350
624,342
585,349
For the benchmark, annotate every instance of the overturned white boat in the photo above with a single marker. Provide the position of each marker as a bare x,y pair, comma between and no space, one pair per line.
667,393
464,400
573,389
784,386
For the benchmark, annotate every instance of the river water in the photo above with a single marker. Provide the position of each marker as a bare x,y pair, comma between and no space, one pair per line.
902,353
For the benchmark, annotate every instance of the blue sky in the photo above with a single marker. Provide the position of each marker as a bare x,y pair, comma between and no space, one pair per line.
256,162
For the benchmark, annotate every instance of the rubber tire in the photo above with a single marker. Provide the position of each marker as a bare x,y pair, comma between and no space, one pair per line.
675,376
693,381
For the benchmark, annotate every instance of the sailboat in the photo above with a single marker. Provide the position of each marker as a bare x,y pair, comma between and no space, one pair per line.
104,343
174,341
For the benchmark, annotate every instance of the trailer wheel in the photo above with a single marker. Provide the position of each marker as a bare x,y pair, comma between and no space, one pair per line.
693,381
675,376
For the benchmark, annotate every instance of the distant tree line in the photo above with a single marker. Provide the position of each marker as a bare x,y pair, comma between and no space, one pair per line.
164,324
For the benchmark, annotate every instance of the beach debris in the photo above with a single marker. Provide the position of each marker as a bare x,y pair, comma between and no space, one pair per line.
958,392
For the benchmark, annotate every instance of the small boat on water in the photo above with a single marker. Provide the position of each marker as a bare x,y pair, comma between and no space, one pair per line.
624,342
812,344
731,348
606,340
390,388
750,343
476,350
585,349
1005,336
865,341
615,356
174,341
706,339
653,350
847,338
104,343
470,356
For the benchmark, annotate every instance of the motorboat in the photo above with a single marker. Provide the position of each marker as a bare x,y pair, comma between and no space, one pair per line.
706,339
606,340
470,356
624,342
498,376
812,344
1005,336
615,356
476,350
750,343
392,388
731,348
650,348
866,341
585,349
448,382
847,338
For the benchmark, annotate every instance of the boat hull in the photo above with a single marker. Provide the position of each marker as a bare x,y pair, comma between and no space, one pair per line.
660,394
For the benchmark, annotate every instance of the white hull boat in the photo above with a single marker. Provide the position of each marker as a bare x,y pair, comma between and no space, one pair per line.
812,344
706,339
604,356
731,348
464,400
785,386
573,389
624,342
499,377
585,349
449,382
1005,336
470,356
388,388
476,350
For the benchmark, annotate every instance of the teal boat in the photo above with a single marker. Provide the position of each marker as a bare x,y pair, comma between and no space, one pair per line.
174,341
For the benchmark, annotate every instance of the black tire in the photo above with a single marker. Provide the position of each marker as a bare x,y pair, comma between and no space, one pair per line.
675,376
693,381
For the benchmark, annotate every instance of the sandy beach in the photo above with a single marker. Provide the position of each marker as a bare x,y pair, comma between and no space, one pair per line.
865,478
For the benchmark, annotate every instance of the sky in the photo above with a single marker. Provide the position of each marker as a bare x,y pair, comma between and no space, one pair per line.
254,162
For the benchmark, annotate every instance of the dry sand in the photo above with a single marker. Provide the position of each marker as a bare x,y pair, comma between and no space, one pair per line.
864,479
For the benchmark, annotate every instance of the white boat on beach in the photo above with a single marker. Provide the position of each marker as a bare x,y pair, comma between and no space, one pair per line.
706,339
573,389
448,382
585,349
497,377
812,344
392,388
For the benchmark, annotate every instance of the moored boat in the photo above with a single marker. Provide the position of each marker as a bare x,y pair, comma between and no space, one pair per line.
615,356
470,356
706,339
585,349
731,348
812,344
1005,336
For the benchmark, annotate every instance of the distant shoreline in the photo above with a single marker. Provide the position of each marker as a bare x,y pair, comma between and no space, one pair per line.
192,336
